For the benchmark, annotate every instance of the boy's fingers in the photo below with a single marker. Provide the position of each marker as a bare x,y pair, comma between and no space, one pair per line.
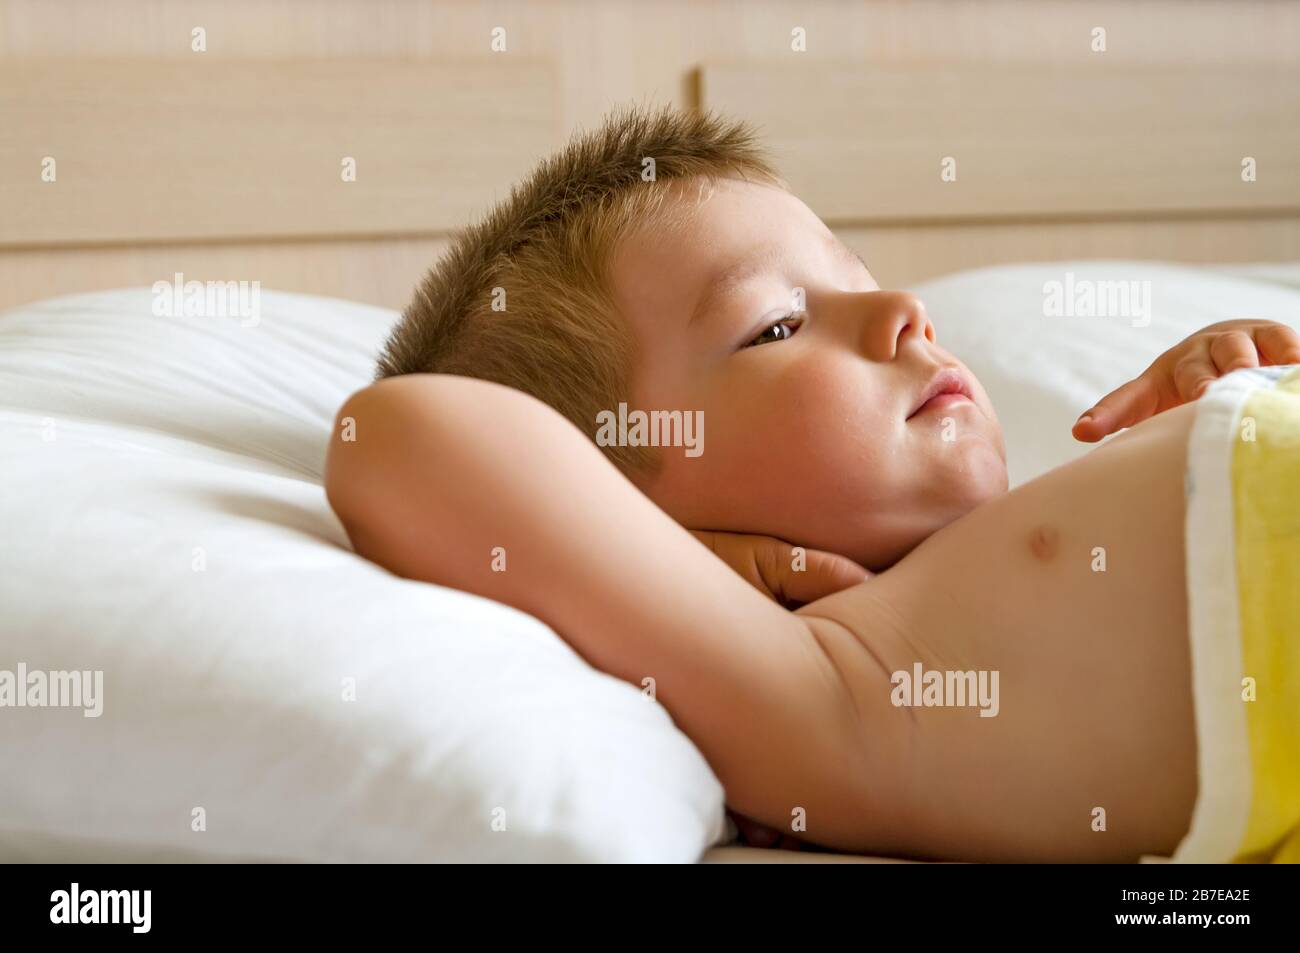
1207,358
1278,344
773,567
1233,351
808,576
1193,374
1122,407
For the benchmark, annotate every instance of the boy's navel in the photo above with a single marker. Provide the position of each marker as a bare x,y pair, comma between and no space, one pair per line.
1044,541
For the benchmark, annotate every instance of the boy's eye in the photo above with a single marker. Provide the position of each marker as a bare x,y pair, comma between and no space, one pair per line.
779,331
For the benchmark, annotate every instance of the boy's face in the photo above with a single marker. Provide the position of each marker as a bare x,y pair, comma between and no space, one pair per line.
811,422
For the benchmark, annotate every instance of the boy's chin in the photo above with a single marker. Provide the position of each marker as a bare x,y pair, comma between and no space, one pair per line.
976,476
981,481
984,479
878,551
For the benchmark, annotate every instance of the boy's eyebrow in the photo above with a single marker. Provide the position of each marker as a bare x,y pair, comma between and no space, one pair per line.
845,252
850,254
736,275
722,285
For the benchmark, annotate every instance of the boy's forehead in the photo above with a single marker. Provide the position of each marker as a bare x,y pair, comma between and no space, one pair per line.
733,206
721,224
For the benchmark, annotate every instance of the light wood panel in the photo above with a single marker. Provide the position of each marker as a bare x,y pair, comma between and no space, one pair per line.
385,271
376,271
190,148
870,145
901,257
599,54
611,51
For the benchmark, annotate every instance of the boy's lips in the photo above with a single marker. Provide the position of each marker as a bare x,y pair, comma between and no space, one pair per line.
947,387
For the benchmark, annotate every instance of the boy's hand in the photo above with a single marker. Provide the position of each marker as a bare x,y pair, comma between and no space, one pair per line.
768,564
1183,372
774,568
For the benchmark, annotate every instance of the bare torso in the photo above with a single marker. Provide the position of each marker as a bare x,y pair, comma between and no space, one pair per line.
1094,709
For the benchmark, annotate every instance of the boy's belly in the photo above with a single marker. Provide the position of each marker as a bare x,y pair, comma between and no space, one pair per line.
1066,600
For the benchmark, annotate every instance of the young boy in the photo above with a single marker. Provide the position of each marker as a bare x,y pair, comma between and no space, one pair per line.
837,438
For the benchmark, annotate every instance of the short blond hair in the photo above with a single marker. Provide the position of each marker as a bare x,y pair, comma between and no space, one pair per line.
548,247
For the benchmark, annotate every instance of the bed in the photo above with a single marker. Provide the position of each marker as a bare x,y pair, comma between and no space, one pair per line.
268,695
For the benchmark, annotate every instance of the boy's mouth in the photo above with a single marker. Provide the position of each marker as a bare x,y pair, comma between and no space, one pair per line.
946,388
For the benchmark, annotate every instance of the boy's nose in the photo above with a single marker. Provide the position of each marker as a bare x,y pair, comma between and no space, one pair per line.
888,318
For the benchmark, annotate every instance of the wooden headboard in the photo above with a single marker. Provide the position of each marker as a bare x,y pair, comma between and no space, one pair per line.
1196,164
171,150
334,172
1018,143
931,136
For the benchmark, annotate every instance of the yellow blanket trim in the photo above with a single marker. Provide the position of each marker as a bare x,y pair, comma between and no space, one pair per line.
1266,487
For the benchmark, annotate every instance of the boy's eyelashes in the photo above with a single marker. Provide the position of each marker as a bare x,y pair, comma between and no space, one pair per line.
779,330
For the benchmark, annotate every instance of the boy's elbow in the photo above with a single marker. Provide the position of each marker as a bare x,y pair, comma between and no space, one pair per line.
426,454
365,456
347,462
397,452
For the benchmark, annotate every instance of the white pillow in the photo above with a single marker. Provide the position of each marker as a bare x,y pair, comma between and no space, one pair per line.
1043,371
163,522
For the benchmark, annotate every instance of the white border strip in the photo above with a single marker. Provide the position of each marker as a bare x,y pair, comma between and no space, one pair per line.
1214,623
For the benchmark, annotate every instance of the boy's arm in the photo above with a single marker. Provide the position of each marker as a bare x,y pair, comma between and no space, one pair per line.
443,470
